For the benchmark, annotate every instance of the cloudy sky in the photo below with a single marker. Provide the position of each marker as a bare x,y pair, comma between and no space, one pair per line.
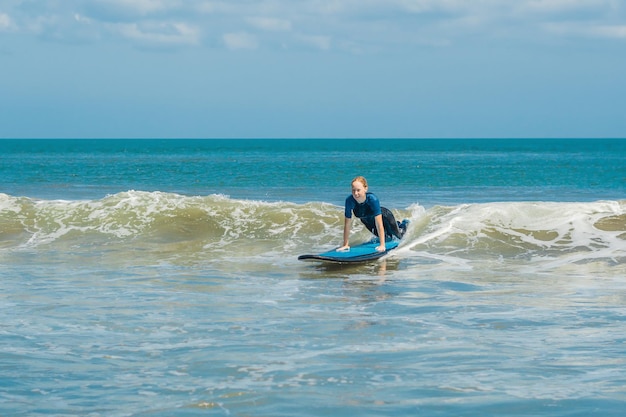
312,68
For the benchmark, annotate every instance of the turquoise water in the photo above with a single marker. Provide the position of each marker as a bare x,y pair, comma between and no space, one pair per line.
161,278
403,171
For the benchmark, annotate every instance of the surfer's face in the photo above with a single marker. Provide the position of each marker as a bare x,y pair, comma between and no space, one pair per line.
358,192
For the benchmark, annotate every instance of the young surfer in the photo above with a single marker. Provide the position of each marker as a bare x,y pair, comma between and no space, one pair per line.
366,207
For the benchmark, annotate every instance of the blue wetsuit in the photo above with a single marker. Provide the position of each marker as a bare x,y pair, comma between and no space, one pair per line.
368,210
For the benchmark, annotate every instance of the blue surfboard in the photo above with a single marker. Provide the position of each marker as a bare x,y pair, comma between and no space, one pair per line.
359,253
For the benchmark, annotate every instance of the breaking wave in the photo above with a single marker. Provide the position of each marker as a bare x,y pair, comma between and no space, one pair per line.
216,224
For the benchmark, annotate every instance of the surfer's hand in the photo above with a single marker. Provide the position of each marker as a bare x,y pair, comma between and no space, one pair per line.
343,248
380,248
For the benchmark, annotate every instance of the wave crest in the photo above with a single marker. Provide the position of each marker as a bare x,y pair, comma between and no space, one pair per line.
158,217
172,223
526,230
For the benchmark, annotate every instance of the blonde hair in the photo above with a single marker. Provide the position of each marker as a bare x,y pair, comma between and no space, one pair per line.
360,179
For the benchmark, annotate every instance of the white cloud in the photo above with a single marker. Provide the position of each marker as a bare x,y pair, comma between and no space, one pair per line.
366,25
270,24
616,32
142,7
240,40
5,22
568,29
501,7
559,6
319,42
426,6
158,33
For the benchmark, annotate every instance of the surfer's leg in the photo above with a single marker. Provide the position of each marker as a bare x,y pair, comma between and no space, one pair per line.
390,223
403,226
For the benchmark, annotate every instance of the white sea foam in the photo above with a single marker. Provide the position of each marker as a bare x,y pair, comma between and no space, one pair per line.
547,233
561,232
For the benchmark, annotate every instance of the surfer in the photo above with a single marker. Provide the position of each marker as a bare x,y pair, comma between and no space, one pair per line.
378,220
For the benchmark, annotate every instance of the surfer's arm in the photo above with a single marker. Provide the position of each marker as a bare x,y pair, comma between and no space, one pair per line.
381,232
347,225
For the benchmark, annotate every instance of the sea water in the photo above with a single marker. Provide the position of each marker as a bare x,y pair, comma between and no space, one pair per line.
160,278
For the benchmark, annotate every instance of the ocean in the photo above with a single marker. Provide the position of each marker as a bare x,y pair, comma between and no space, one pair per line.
160,278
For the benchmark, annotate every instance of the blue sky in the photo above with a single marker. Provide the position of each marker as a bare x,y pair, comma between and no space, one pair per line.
312,68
